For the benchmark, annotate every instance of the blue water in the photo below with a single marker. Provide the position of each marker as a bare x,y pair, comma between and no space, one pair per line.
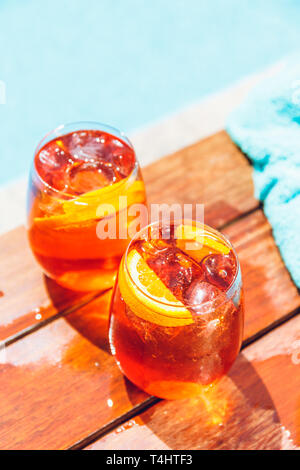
125,62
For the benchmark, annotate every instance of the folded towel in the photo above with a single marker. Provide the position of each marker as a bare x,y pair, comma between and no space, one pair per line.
267,128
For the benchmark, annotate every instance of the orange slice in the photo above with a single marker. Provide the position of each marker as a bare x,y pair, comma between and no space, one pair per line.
198,242
148,297
96,204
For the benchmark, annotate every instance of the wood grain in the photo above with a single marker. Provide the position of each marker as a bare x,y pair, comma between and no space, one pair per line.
28,298
212,171
257,406
57,383
270,294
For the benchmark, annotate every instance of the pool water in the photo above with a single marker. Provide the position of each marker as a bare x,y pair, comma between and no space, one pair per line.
125,62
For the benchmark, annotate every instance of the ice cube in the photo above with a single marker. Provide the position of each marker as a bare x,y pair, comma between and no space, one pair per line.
115,161
51,163
83,161
219,269
201,292
82,177
87,146
175,269
122,160
51,158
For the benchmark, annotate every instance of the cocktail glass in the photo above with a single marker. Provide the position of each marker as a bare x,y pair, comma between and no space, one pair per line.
176,320
85,178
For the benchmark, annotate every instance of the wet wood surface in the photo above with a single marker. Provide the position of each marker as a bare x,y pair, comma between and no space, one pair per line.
60,387
256,406
28,299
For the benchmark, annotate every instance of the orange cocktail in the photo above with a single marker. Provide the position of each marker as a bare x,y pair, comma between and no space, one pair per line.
83,175
176,321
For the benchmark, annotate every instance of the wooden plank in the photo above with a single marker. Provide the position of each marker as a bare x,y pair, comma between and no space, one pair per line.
270,294
212,171
28,297
257,406
57,385
52,393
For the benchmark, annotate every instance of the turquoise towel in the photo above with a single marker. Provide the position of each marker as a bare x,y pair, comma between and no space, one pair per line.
267,128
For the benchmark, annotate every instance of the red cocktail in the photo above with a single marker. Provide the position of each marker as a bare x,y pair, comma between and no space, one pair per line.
176,320
83,175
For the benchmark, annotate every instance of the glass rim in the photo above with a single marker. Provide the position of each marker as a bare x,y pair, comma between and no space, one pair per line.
90,125
229,292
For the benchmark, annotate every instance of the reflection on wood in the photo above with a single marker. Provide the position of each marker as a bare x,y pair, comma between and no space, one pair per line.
255,407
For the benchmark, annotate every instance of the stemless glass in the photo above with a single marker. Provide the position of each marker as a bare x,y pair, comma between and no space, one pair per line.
176,319
84,177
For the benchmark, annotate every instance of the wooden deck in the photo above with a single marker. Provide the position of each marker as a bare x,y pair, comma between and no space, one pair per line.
59,385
